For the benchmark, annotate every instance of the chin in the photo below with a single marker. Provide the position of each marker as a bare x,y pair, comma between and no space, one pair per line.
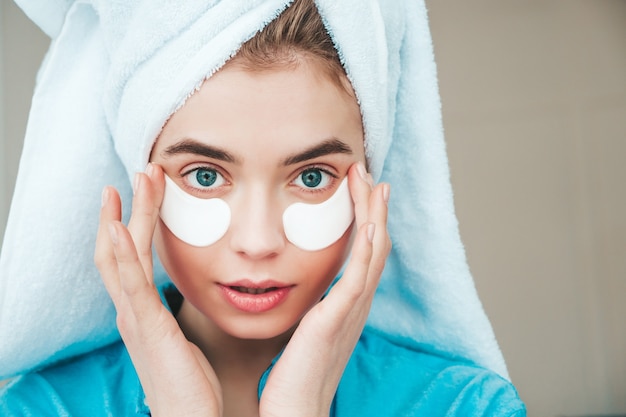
255,329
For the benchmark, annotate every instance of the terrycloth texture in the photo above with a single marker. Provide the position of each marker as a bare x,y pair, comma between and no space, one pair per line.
115,72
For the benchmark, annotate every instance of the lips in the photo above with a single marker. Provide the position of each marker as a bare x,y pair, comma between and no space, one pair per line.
255,297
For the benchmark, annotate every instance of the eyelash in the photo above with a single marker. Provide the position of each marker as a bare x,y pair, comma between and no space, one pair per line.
212,189
331,181
200,188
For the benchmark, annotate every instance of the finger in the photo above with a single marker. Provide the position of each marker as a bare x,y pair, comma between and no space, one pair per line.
364,270
352,284
356,273
378,214
135,285
157,176
360,190
104,255
148,195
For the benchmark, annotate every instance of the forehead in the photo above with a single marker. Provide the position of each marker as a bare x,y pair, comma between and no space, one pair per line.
287,106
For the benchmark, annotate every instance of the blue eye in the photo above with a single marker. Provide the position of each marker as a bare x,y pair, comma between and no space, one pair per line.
203,178
313,178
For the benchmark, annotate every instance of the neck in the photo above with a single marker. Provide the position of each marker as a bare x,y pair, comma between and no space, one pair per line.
238,363
221,348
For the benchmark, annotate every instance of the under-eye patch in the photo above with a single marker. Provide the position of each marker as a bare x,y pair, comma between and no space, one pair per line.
316,226
196,221
202,222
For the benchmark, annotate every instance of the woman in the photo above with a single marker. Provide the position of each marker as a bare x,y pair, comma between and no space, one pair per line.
263,146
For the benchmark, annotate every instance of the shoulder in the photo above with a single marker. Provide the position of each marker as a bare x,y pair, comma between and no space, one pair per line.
102,382
385,378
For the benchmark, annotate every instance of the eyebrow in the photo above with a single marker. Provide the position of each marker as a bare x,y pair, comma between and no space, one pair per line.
194,147
328,147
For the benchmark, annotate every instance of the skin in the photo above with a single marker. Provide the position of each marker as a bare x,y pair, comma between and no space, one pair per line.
214,352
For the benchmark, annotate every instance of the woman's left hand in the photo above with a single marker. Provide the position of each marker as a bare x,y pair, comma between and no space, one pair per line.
305,378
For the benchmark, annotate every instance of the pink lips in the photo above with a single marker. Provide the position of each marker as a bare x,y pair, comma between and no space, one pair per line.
255,297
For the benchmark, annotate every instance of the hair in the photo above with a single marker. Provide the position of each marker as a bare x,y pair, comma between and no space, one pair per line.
297,34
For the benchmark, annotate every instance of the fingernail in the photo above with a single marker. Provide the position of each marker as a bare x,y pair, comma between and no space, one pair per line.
150,169
371,228
113,233
105,195
386,190
361,170
136,181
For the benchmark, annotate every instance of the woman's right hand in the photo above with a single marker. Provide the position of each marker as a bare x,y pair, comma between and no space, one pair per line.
175,375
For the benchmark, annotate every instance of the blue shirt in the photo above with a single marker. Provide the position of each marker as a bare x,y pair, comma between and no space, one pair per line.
381,379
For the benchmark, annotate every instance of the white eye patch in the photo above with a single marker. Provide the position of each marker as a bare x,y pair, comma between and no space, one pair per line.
196,221
316,226
202,222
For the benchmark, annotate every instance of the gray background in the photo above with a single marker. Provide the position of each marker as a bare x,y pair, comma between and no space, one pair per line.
534,104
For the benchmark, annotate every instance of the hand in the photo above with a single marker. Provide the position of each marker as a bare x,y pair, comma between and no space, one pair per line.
305,378
176,377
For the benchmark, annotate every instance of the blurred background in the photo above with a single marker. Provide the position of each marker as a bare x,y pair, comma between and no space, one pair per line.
534,107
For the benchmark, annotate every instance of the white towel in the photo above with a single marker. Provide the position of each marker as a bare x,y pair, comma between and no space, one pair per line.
117,70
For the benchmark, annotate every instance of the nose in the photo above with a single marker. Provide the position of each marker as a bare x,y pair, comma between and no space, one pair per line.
256,226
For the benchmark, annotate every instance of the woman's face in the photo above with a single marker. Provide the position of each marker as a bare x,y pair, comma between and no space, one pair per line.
260,141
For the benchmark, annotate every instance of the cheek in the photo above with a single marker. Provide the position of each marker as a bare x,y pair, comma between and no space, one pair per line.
344,245
182,262
176,256
328,262
162,244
